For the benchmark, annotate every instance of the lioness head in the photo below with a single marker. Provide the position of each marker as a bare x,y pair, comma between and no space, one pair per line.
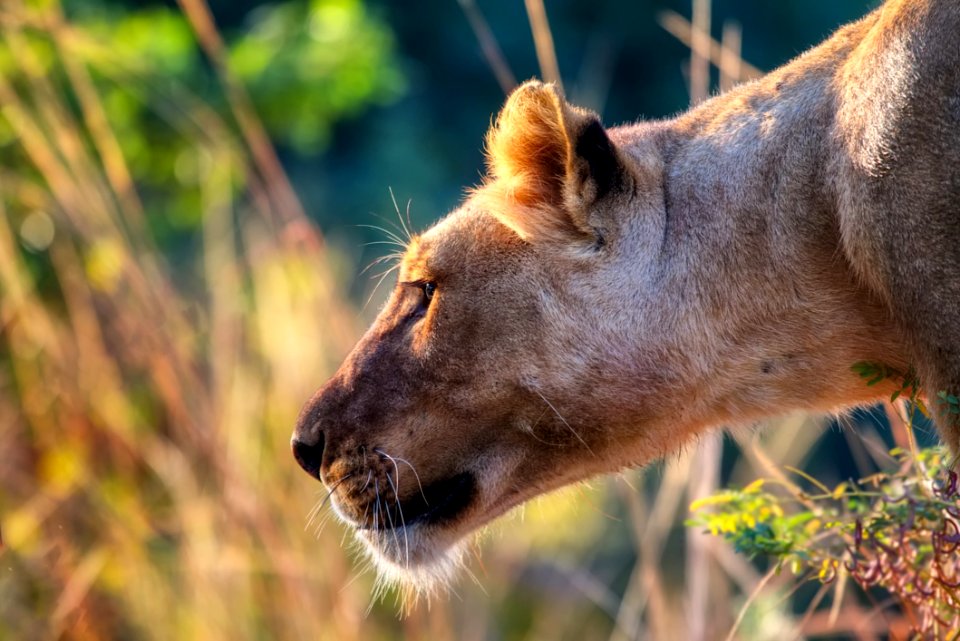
487,377
528,345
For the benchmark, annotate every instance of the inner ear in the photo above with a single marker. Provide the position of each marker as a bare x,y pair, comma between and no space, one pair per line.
595,162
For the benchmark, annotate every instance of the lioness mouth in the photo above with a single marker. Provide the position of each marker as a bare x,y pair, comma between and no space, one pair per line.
437,502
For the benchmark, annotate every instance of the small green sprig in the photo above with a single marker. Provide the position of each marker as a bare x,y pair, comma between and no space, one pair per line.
874,373
949,403
897,530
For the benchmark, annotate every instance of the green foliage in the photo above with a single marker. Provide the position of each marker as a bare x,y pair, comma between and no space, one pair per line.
310,65
950,404
306,66
157,38
909,388
897,530
908,381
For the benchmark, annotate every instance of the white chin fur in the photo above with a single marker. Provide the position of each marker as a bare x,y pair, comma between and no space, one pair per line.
406,557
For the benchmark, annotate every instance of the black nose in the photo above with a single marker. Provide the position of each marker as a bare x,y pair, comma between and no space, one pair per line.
308,456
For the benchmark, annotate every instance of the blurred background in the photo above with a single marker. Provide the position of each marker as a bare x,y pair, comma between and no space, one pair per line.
185,194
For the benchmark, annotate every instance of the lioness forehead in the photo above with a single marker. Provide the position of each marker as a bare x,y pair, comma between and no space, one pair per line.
463,235
425,252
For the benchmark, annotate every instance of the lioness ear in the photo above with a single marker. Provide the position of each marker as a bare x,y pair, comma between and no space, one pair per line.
546,154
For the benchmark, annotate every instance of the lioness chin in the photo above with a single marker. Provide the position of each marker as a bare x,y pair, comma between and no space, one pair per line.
608,294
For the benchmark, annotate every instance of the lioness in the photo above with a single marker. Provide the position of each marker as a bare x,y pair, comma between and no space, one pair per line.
608,294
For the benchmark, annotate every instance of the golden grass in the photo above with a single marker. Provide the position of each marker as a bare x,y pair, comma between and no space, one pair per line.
147,489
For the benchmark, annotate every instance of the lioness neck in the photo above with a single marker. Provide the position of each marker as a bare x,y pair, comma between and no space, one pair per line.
770,313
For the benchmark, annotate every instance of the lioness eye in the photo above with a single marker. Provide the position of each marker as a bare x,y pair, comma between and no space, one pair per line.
428,289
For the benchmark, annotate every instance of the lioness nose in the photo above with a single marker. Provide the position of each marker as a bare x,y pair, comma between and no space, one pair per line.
308,456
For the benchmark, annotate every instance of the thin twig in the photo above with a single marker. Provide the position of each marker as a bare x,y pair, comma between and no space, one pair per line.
489,46
681,29
700,52
543,40
731,62
704,482
285,204
746,606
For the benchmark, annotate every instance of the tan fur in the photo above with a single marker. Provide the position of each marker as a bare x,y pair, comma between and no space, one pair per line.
607,295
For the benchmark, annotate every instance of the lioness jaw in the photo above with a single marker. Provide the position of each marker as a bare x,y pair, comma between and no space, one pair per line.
608,294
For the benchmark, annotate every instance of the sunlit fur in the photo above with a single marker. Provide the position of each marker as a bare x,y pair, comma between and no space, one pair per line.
607,296
430,576
527,147
530,156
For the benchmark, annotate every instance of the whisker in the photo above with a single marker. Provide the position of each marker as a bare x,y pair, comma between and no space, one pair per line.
386,232
323,524
546,442
392,243
385,272
393,231
403,523
406,228
316,510
470,573
397,256
409,224
381,583
313,513
398,230
379,282
386,509
569,427
395,468
395,459
366,511
356,576
533,432
367,483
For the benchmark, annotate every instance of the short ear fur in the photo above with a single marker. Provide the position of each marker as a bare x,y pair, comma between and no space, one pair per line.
551,161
